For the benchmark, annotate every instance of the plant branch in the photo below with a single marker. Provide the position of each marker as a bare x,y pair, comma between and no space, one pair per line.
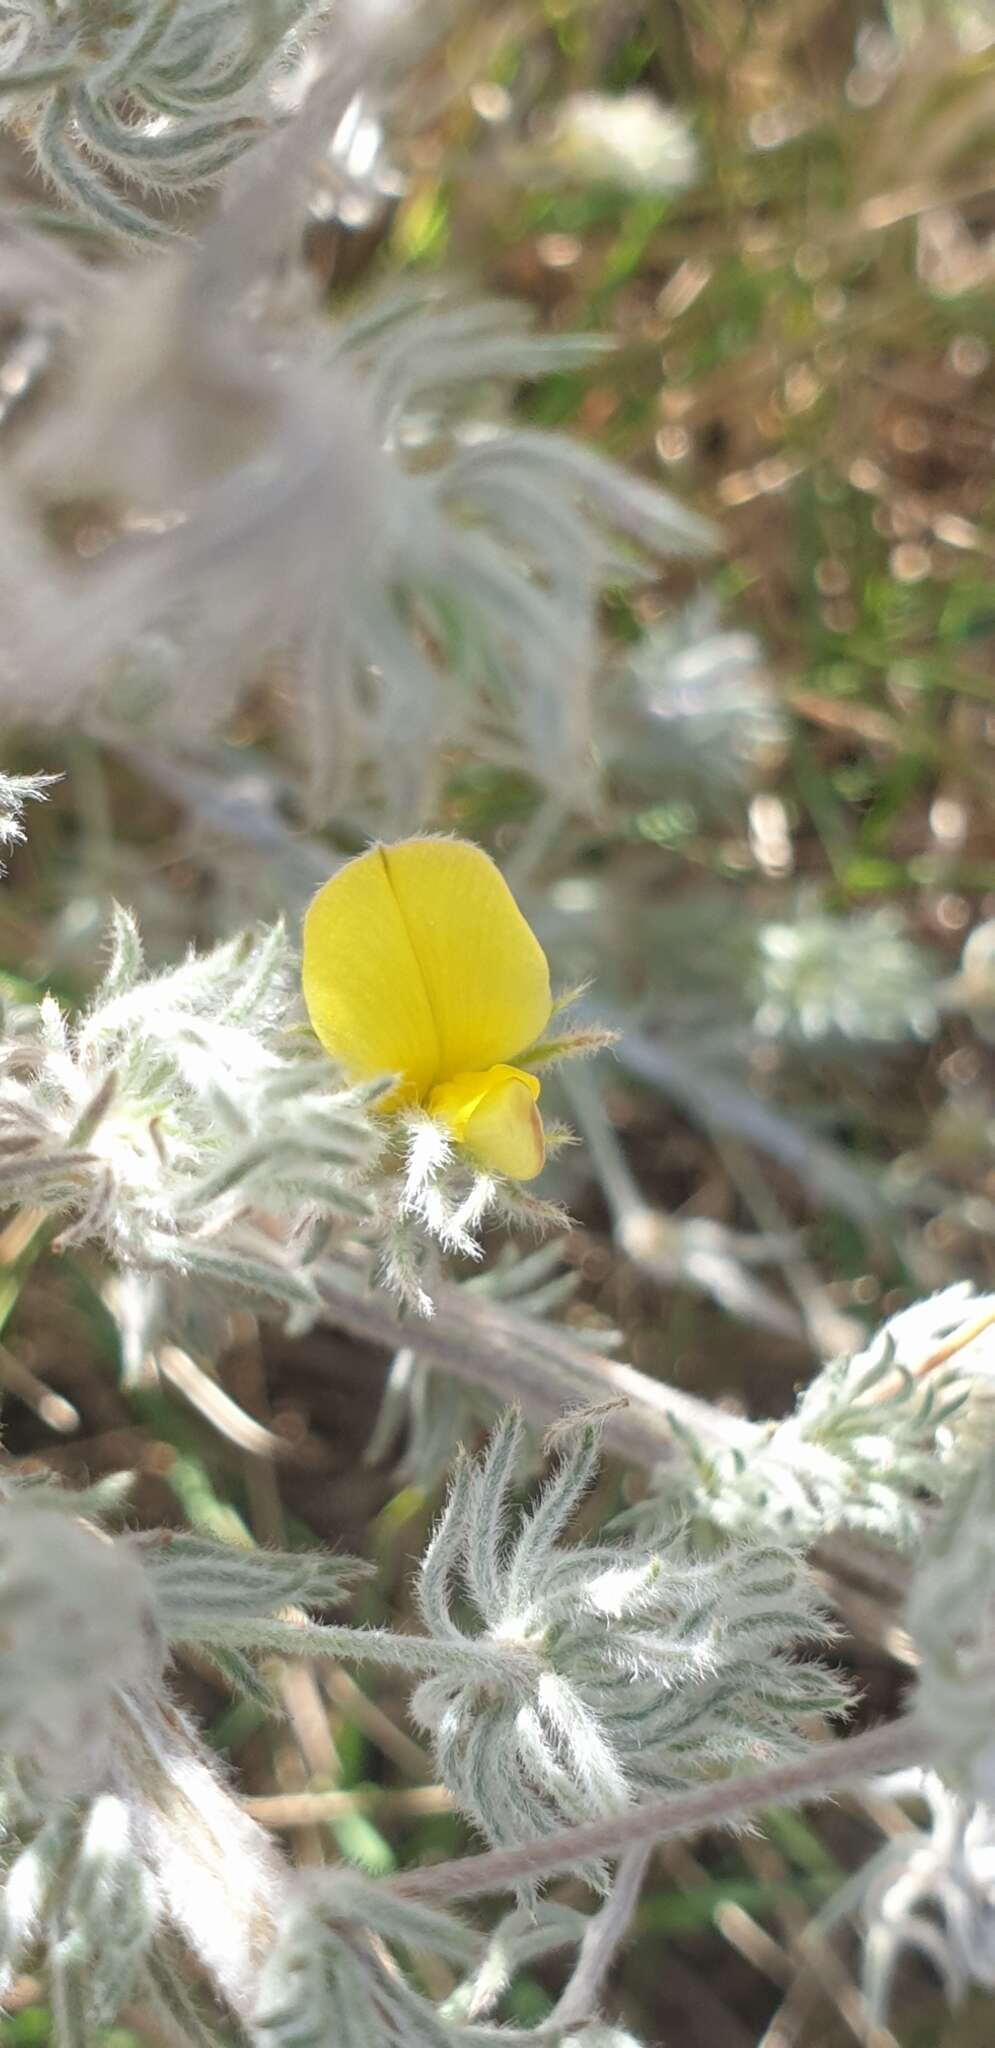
821,1771
544,1370
603,1938
536,1365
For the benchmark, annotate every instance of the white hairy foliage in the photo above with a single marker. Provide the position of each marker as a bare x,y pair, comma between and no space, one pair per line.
175,1106
233,1604
80,1893
558,1682
602,1671
342,509
951,1619
106,1919
333,1973
931,1890
152,1852
694,718
209,489
150,1838
128,110
331,1977
872,1436
77,1624
435,1201
15,792
853,978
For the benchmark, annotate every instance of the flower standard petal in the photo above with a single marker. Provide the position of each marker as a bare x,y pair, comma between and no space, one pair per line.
418,961
494,1115
363,986
484,971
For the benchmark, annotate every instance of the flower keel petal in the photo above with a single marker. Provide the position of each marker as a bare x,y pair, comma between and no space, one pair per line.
494,1114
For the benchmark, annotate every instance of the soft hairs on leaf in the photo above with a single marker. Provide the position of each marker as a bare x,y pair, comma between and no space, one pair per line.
158,98
330,495
156,1119
601,1671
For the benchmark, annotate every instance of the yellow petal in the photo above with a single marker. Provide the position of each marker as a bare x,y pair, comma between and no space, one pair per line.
494,1115
418,961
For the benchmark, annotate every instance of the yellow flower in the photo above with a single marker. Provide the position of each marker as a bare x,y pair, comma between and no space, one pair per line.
419,963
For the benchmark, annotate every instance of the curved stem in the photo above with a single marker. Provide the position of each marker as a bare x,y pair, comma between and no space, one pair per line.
822,1770
487,1344
602,1939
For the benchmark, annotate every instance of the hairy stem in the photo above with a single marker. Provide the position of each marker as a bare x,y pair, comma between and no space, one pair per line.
487,1344
822,1770
603,1939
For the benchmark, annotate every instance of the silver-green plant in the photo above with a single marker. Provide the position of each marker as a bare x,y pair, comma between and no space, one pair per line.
350,503
208,486
126,1829
333,1973
694,718
161,1118
606,1672
599,1672
873,1439
15,792
575,1693
330,1975
860,978
951,1618
128,110
931,1891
